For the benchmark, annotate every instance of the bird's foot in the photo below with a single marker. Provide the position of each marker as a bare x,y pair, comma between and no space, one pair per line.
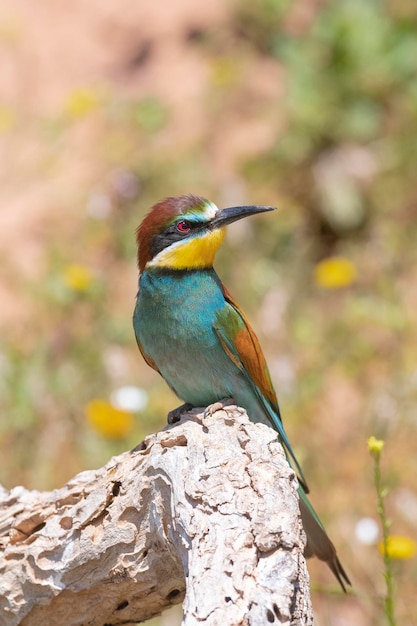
218,406
175,415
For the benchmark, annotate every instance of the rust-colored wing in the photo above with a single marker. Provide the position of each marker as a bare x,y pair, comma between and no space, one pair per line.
242,346
250,353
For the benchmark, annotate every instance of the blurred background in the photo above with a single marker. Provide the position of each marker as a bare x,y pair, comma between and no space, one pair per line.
108,106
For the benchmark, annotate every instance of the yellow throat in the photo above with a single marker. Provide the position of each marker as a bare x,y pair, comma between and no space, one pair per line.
194,253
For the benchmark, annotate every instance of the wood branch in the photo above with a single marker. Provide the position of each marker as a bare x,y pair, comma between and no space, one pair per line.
204,512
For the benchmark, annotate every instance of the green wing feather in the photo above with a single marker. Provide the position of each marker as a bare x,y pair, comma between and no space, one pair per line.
242,346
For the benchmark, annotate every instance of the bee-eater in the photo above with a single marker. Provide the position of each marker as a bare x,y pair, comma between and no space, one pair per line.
191,331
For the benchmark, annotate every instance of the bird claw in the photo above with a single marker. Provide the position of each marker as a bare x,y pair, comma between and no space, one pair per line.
175,415
218,406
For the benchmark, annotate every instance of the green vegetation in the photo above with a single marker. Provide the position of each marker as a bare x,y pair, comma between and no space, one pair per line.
375,447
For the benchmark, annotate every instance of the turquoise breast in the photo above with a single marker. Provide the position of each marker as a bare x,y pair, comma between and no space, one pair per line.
173,320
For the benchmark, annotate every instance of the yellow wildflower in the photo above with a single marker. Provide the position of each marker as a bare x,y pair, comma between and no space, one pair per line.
8,119
78,277
11,29
375,445
399,547
81,102
223,71
107,420
335,273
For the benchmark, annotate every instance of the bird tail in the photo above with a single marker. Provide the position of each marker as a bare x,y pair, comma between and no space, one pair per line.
318,543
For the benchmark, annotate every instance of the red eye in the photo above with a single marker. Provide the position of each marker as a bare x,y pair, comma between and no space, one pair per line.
183,227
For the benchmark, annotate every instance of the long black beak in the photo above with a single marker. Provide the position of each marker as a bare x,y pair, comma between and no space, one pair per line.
232,214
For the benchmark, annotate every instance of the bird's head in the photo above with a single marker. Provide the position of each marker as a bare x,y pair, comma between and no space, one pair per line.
185,232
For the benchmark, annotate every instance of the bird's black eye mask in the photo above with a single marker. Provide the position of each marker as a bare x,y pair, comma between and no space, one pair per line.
177,231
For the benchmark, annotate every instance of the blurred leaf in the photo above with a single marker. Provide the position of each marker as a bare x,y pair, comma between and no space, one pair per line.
150,114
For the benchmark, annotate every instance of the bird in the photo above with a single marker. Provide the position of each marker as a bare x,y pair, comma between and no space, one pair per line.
190,330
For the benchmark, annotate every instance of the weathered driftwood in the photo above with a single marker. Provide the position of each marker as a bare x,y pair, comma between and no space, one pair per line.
203,512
